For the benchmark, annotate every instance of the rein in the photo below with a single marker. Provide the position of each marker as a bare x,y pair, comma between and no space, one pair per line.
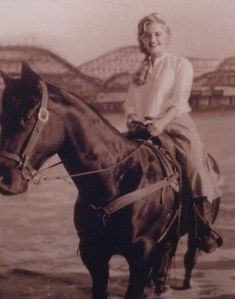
80,174
23,164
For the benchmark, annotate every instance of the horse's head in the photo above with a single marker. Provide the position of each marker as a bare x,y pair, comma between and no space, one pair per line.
24,130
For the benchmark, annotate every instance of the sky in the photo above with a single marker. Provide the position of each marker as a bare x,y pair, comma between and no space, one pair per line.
82,30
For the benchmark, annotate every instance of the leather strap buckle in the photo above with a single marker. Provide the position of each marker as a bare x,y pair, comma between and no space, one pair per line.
43,115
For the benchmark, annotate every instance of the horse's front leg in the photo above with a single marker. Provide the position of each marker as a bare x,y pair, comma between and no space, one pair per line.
97,262
140,262
190,259
139,276
161,266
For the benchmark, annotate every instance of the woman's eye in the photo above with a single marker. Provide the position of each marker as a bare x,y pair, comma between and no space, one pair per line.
158,34
146,36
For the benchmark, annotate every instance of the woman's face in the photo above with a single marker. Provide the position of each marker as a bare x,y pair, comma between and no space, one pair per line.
155,38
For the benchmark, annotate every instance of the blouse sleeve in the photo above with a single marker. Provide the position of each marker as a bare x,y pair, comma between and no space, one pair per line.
183,86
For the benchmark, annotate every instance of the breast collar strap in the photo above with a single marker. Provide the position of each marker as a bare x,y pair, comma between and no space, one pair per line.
23,164
136,195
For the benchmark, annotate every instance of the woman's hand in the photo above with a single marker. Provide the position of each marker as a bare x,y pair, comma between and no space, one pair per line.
135,126
155,127
132,123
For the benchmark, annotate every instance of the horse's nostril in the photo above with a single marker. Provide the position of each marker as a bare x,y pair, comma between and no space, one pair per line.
2,171
4,175
6,179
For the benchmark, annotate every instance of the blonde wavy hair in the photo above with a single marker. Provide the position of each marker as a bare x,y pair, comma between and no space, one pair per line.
141,75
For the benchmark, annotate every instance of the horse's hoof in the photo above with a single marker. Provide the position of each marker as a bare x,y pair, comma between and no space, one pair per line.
162,291
186,286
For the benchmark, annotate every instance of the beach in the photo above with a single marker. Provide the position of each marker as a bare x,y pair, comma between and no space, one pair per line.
38,241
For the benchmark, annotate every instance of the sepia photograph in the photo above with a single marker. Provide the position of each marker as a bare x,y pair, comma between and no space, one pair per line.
117,141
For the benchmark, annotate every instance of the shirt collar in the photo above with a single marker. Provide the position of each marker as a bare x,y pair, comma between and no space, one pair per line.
158,59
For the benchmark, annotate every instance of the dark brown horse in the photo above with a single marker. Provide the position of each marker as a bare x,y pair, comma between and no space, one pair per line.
39,120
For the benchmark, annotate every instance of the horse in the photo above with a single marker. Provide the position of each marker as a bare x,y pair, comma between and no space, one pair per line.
127,203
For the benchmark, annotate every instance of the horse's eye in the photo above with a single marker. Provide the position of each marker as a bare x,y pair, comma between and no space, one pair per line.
24,120
28,117
22,124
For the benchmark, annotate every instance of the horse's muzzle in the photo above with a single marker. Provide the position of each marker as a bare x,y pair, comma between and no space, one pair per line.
12,182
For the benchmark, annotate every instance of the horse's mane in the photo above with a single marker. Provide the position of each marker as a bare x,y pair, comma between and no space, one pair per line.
75,99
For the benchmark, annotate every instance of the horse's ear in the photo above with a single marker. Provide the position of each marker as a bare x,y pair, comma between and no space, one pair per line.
29,77
6,78
27,73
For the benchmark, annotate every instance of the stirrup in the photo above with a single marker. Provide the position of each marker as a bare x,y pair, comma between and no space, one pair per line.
209,244
210,239
208,226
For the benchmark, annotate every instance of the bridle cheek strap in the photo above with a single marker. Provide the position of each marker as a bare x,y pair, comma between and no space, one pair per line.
42,119
23,164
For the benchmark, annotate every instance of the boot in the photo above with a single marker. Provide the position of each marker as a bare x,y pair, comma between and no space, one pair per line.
207,238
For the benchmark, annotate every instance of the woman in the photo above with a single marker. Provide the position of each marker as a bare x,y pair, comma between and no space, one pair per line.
158,97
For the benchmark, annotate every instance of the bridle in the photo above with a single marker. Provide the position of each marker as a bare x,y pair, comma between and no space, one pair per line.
23,165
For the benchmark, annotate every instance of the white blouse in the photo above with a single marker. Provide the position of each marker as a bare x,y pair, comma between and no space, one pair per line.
168,84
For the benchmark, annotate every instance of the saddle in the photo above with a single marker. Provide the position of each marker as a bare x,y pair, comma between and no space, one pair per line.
164,140
164,148
186,205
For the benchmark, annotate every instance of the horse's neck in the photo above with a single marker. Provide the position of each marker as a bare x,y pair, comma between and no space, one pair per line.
92,144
